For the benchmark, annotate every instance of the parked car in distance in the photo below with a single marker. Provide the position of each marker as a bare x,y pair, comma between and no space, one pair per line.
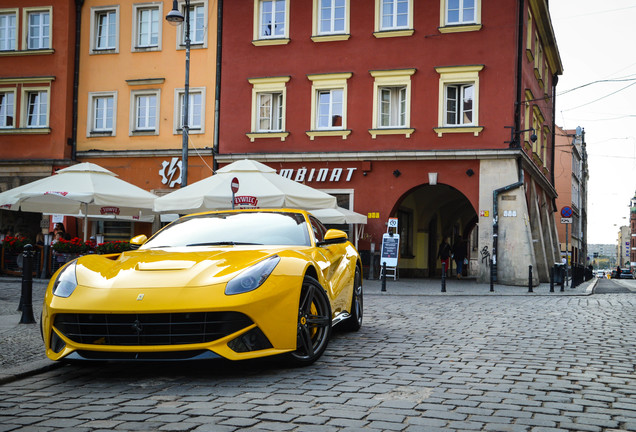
626,274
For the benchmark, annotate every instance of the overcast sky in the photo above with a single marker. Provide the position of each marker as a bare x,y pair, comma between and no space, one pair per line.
596,40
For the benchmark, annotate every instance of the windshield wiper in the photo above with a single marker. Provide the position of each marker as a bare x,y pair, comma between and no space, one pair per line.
224,243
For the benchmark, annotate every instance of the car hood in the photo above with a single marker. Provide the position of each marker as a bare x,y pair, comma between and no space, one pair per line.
167,268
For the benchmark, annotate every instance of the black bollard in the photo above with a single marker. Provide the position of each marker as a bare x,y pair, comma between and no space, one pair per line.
443,277
45,260
492,278
551,279
26,299
384,276
530,279
562,270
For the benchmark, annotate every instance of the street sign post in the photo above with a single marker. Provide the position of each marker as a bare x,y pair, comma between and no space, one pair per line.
234,184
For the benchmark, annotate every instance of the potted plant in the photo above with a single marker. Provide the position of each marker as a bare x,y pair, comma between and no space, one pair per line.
112,247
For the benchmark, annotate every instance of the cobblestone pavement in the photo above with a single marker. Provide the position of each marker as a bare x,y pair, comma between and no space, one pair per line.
420,363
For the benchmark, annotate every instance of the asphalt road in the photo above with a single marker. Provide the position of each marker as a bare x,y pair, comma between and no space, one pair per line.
615,286
419,364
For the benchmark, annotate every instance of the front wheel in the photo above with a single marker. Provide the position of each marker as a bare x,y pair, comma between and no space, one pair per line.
314,323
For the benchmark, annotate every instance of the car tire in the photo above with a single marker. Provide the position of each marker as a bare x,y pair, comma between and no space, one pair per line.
314,323
354,322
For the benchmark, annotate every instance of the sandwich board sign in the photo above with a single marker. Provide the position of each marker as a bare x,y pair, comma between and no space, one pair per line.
390,250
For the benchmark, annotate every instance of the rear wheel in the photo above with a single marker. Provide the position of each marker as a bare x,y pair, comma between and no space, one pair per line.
354,322
314,323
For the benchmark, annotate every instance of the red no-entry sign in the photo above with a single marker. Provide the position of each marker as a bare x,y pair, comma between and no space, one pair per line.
235,185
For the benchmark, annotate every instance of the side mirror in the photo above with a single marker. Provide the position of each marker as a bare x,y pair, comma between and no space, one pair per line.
137,241
334,236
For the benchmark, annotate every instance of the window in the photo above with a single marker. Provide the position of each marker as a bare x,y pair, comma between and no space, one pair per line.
391,102
270,112
105,30
393,18
196,110
392,107
459,104
268,108
460,15
329,105
460,12
329,109
7,31
198,16
271,22
102,108
144,112
147,27
37,104
7,109
458,99
38,29
332,16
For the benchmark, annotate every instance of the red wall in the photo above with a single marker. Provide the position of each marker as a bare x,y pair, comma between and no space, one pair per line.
494,46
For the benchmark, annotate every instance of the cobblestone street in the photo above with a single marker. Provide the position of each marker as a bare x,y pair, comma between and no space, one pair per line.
419,363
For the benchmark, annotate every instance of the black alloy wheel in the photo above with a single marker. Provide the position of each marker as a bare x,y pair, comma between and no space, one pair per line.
354,322
314,323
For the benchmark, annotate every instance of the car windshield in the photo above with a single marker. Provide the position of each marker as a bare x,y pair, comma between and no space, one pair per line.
221,229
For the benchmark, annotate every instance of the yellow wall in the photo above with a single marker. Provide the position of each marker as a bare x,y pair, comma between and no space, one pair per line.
109,72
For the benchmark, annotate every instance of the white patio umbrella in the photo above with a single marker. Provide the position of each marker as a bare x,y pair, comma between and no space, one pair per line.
84,189
341,215
259,187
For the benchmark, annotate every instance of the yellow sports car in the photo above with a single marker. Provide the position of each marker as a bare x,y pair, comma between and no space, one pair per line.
237,284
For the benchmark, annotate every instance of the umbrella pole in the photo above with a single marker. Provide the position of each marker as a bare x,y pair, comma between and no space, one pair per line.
85,220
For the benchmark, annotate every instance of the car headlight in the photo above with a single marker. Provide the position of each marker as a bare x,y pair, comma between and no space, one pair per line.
253,277
66,281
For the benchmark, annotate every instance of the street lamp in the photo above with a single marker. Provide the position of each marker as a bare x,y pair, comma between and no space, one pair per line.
175,18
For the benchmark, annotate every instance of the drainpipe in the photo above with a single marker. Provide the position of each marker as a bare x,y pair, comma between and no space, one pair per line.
514,144
555,81
217,92
78,28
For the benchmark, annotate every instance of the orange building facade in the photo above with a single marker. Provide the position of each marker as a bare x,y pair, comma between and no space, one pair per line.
132,68
37,47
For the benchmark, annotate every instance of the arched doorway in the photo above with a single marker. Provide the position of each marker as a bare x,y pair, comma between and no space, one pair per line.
427,214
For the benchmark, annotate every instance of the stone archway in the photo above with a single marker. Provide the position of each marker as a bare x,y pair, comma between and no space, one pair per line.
426,214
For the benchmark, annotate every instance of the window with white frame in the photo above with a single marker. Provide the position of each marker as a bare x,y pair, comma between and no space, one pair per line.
459,99
8,30
460,12
330,109
460,15
270,112
268,107
36,105
329,105
394,14
271,22
145,112
196,110
147,26
198,16
105,30
391,102
38,28
459,104
392,112
102,109
7,109
332,16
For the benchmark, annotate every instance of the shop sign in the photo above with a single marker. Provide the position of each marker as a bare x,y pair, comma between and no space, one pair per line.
246,201
168,172
317,174
109,210
484,213
390,248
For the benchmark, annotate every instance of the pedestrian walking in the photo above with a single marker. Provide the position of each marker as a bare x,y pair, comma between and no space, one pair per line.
444,254
459,255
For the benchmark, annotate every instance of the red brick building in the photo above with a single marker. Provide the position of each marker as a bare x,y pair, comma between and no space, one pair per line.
439,113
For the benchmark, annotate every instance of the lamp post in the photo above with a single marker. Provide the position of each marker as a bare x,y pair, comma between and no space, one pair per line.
175,18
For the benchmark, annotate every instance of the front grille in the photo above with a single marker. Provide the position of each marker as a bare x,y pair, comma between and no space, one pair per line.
150,329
